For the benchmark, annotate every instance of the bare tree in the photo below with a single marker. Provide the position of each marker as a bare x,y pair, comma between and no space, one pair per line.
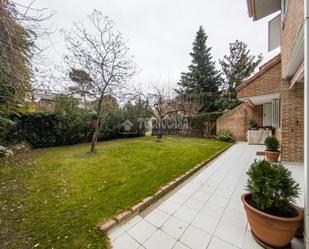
104,56
193,102
163,105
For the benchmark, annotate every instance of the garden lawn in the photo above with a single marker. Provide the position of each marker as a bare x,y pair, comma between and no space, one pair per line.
55,197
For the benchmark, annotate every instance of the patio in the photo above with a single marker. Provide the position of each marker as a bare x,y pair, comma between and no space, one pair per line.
204,212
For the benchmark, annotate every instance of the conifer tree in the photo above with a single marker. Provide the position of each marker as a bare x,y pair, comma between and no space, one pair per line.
202,77
238,66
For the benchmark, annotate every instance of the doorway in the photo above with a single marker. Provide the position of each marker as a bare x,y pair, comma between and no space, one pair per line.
267,114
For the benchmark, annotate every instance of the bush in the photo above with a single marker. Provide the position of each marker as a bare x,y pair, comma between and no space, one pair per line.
111,125
272,188
272,143
71,122
6,125
226,136
253,124
38,129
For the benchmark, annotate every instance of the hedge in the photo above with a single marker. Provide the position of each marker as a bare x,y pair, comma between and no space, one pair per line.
43,130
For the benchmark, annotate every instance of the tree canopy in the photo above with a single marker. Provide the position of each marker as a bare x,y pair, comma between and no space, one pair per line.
202,76
16,44
238,66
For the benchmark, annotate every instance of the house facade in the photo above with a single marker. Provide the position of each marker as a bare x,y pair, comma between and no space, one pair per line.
274,96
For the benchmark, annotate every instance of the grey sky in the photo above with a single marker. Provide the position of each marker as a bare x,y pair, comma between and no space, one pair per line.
160,32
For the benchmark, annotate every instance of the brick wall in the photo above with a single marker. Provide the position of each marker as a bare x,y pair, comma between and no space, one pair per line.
267,83
293,23
292,122
237,120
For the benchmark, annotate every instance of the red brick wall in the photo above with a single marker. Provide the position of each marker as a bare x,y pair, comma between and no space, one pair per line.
293,23
237,120
292,122
269,82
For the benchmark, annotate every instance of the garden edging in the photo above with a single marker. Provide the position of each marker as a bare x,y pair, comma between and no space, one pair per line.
146,202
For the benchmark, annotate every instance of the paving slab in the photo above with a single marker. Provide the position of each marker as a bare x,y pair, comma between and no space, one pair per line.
205,212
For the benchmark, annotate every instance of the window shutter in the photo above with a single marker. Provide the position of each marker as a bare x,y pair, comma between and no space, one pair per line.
276,113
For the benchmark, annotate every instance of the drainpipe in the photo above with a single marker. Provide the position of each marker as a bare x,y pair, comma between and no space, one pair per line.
306,120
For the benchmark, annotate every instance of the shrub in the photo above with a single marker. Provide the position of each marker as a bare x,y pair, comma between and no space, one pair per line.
71,122
6,125
272,188
38,129
226,136
272,143
253,124
110,125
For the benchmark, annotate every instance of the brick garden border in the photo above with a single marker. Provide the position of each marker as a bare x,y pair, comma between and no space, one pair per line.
148,201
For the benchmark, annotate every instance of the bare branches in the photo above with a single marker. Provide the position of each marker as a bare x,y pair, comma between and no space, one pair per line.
103,55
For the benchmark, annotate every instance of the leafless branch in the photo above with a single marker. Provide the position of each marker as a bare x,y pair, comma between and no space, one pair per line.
103,55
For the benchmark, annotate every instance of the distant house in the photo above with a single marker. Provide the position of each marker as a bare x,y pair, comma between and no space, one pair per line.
43,100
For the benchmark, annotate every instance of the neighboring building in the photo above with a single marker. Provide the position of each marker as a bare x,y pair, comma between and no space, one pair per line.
274,96
43,100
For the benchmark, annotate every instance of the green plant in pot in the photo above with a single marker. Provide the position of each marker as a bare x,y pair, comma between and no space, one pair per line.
253,125
272,152
269,205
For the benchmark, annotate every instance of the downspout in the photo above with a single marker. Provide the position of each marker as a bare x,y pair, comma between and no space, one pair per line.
306,120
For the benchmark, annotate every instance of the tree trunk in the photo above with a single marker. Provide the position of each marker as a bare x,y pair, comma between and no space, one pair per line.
96,126
159,136
95,136
160,133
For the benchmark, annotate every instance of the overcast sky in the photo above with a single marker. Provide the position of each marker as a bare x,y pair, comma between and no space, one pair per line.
160,33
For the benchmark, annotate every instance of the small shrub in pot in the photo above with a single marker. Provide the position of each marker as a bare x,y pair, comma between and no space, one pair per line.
273,217
272,143
272,148
272,187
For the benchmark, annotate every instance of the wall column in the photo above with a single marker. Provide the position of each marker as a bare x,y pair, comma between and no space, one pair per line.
306,120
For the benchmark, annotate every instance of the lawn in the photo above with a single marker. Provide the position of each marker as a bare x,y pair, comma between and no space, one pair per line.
55,197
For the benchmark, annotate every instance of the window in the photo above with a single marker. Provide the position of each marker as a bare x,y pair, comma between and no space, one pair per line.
276,113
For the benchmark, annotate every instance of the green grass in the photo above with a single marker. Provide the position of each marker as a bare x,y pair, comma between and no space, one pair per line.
55,197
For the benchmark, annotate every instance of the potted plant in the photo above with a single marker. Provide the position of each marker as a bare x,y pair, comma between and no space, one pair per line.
253,125
272,152
272,216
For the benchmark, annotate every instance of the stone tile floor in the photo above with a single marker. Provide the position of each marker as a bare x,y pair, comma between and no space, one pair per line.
204,212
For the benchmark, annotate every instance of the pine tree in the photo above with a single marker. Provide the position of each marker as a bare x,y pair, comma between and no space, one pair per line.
238,66
202,77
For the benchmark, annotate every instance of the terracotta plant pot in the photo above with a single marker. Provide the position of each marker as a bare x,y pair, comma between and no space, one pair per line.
274,231
272,155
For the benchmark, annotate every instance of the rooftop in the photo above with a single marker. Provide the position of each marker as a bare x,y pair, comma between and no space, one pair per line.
263,69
